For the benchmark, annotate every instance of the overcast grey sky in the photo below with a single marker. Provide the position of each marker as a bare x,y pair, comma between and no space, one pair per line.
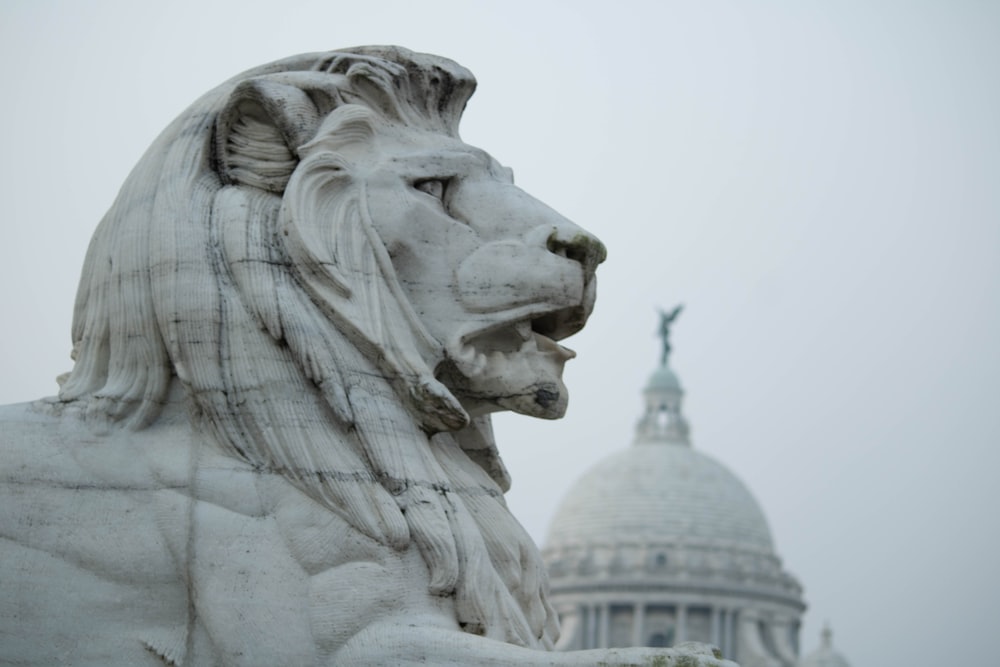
819,183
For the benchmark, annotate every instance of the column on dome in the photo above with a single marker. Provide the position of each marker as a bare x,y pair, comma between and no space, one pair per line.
621,631
602,637
639,624
573,628
590,636
661,625
781,633
729,634
723,618
698,623
681,635
754,645
734,620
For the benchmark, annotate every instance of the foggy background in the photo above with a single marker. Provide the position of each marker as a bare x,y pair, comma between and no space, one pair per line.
816,182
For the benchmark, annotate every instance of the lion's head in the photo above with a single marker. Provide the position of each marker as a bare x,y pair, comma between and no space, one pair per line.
345,290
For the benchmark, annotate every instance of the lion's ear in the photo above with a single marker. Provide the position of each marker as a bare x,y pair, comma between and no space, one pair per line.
259,131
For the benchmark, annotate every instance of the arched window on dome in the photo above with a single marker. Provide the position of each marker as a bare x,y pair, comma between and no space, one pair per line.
660,561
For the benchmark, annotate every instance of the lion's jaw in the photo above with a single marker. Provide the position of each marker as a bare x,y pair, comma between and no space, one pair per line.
495,276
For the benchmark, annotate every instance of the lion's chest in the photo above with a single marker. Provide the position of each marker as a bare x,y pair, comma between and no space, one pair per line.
350,580
259,553
144,550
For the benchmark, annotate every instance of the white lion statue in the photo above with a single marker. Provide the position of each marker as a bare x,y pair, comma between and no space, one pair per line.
274,447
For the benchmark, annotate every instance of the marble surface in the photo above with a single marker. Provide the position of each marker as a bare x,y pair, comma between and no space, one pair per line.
275,446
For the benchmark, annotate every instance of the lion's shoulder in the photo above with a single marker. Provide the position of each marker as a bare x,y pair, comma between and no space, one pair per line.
60,479
49,445
79,526
39,445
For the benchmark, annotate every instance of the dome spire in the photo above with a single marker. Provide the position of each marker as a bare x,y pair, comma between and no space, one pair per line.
666,319
826,637
663,421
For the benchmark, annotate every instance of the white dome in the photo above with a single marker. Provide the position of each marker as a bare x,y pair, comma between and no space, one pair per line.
657,493
664,379
662,513
660,543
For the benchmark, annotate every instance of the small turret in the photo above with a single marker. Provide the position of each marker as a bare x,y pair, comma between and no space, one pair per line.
663,420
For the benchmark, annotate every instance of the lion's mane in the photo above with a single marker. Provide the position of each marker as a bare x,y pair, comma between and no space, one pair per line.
211,266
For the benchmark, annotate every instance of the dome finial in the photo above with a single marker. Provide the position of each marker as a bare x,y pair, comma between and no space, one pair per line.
666,319
663,420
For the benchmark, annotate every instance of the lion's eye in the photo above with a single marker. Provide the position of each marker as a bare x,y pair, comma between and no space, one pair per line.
435,187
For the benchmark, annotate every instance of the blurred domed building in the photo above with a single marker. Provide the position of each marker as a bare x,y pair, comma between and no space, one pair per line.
825,655
659,544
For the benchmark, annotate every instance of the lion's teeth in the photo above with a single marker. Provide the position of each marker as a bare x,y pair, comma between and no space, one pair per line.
479,364
549,346
467,353
523,330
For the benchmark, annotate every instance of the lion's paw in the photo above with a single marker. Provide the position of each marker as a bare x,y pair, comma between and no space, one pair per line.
687,654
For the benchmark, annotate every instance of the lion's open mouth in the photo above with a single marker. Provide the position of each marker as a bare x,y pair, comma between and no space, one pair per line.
515,365
523,338
561,323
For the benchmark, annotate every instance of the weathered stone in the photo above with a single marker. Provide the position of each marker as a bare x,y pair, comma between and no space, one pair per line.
275,445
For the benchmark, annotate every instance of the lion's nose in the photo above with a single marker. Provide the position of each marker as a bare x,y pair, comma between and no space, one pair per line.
576,244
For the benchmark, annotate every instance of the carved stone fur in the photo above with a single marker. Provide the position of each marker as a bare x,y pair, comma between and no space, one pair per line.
291,328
